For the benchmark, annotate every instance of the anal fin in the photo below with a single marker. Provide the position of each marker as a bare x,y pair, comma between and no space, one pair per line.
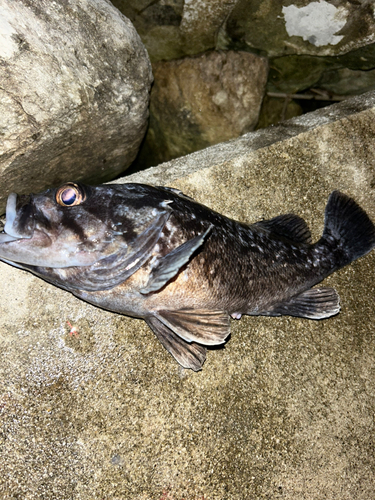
203,326
188,355
316,303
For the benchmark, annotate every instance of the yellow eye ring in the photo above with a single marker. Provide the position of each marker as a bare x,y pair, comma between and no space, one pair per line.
70,194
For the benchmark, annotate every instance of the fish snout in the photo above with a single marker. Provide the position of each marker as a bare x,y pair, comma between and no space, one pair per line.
20,222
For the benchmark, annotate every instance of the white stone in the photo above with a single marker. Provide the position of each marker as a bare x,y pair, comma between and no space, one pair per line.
316,23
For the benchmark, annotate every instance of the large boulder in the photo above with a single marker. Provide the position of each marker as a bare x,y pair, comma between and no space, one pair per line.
285,410
75,80
200,101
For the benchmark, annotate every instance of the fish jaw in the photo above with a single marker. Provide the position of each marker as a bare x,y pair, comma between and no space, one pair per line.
19,248
13,234
40,250
28,239
6,238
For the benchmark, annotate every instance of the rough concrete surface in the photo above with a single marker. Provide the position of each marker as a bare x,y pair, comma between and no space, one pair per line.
285,410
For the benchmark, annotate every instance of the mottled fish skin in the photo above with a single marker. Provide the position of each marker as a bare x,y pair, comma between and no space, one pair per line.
154,253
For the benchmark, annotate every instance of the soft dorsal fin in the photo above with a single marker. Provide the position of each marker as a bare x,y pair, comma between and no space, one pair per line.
194,325
188,355
288,226
316,303
169,265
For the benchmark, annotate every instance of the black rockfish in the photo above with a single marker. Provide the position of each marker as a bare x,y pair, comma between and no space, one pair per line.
156,254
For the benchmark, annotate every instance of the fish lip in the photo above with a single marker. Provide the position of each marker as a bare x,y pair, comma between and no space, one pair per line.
10,214
6,238
10,233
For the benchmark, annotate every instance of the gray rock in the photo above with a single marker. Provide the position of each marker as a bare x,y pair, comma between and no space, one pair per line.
201,22
157,22
360,59
200,101
324,28
75,81
294,73
286,410
171,29
348,82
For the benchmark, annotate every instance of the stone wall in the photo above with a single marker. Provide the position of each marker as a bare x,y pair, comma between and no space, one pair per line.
318,52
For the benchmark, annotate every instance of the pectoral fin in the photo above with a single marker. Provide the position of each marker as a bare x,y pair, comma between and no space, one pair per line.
202,326
316,303
187,355
169,266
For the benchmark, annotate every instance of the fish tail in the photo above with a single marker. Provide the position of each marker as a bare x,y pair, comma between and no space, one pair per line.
348,231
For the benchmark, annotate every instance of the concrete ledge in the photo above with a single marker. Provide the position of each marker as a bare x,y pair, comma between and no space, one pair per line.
253,141
285,410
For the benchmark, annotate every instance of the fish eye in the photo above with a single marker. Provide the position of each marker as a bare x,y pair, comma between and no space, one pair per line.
70,194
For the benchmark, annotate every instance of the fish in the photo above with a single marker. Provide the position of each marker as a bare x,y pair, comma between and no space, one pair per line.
154,253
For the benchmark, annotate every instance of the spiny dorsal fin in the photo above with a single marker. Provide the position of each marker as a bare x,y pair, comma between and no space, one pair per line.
169,265
177,192
316,303
288,226
202,326
188,355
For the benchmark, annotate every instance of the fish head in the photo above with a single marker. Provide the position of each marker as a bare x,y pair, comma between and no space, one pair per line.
81,226
54,228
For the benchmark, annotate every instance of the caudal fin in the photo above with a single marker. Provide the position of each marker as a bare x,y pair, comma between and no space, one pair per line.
348,229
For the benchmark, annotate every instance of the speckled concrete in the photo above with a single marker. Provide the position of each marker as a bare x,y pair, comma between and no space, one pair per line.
285,410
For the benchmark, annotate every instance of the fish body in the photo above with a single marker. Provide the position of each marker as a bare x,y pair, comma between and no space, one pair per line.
154,253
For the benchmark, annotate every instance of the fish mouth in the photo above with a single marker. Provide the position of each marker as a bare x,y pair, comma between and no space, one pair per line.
11,232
